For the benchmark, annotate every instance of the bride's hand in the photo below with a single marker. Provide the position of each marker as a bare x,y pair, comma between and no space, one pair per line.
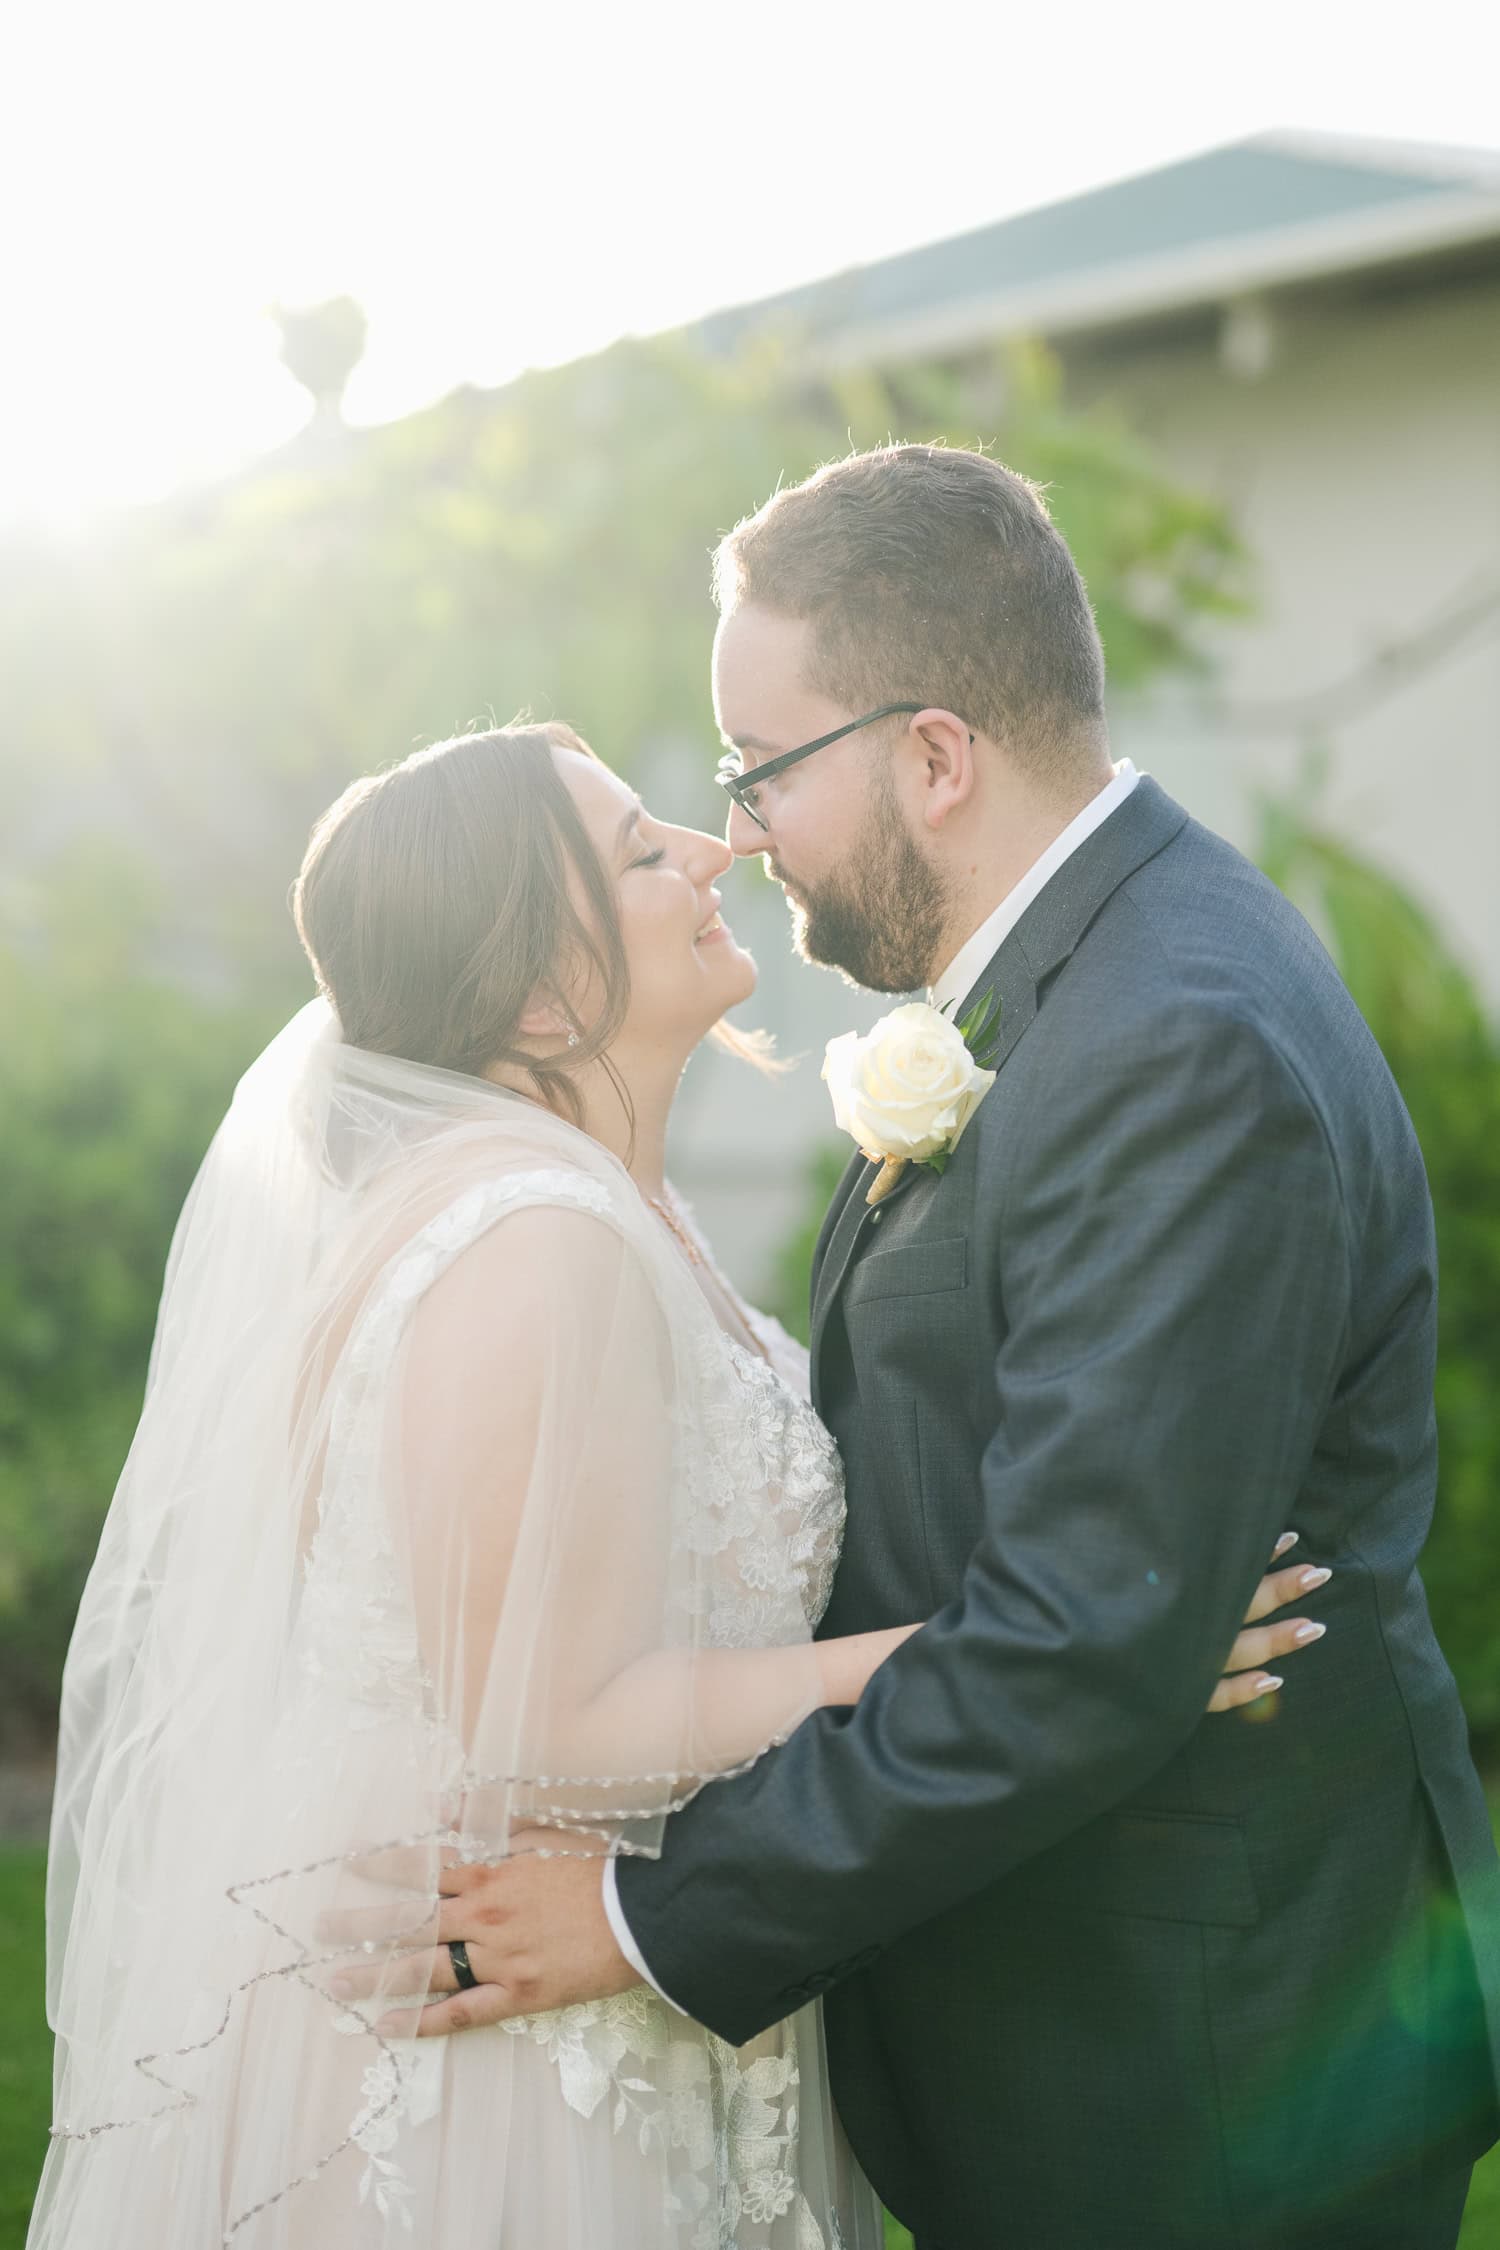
1245,1678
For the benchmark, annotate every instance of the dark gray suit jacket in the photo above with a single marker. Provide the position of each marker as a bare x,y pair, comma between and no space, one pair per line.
1102,1970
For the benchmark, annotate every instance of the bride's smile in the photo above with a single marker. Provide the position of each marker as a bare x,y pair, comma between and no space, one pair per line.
686,966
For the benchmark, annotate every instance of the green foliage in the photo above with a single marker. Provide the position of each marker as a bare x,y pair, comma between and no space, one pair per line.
789,1291
215,672
114,1080
980,1030
25,2042
1445,1056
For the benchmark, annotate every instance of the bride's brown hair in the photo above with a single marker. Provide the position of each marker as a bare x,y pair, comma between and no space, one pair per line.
433,904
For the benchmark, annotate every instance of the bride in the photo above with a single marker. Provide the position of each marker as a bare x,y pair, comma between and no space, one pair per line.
471,1511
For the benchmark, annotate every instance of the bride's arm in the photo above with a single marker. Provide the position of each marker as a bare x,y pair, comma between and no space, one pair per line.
561,1597
740,1697
738,1693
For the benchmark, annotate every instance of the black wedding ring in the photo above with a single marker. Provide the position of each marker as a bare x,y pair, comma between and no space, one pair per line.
458,1954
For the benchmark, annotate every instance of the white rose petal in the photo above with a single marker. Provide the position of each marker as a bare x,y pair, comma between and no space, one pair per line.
908,1088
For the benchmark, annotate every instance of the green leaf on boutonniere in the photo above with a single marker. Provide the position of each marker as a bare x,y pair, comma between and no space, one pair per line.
938,1161
980,1030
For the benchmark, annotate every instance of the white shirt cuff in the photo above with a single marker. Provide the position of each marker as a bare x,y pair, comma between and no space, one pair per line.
620,1930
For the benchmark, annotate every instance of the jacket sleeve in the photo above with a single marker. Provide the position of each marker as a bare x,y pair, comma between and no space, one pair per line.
1169,1243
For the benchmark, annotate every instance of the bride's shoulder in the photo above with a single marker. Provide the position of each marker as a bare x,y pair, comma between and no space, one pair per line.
527,1224
557,1193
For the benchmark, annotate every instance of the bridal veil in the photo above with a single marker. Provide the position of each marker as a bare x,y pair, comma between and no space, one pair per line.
417,1553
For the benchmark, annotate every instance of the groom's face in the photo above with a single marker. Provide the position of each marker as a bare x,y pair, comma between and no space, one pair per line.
865,897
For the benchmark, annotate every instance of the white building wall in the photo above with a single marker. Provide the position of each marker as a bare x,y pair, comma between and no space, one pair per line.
1364,473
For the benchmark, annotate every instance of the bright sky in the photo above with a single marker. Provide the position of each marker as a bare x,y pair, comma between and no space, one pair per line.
503,187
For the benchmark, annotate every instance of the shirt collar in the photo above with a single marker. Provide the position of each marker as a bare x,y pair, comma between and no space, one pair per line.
974,957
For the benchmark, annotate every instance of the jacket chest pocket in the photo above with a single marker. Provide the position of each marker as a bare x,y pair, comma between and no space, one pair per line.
911,1269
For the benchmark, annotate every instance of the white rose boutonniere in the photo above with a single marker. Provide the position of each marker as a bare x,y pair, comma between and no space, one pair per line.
909,1087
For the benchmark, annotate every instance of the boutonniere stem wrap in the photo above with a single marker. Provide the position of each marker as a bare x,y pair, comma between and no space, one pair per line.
907,1090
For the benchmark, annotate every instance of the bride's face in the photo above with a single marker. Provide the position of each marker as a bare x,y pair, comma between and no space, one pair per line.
685,967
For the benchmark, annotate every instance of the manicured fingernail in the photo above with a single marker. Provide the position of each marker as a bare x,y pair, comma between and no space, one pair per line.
1311,1578
1309,1633
341,1987
1267,1684
1287,1540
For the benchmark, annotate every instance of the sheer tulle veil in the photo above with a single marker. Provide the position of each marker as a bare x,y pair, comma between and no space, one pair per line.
408,1556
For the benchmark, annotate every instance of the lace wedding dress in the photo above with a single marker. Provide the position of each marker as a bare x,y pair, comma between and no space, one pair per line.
671,2135
455,1608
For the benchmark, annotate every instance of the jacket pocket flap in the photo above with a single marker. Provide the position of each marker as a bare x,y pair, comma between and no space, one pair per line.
1173,1867
916,1269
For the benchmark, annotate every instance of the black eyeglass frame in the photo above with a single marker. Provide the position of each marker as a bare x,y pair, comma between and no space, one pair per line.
739,785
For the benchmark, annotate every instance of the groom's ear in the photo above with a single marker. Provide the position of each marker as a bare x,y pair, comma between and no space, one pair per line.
942,748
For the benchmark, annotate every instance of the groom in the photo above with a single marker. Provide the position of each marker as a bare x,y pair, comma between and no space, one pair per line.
1101,1974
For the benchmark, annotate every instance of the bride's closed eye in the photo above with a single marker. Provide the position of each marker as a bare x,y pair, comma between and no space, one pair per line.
651,859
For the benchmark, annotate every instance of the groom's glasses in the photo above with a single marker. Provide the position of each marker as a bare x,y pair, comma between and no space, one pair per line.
744,787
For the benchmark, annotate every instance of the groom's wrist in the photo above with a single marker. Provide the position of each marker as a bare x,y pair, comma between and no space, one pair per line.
624,1936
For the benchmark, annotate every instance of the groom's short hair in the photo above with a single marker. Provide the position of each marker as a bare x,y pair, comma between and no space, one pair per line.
931,574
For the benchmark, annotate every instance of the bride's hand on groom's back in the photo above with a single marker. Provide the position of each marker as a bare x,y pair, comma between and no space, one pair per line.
1245,1676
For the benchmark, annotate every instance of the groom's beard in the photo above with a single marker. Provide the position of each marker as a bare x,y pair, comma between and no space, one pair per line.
883,923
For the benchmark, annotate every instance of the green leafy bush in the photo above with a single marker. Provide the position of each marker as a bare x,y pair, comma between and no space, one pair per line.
114,1079
1427,1014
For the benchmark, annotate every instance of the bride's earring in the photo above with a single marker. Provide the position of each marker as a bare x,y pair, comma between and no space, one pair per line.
572,1038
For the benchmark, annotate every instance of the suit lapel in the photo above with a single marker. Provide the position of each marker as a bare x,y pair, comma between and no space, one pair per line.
837,1206
1009,977
1047,933
849,1229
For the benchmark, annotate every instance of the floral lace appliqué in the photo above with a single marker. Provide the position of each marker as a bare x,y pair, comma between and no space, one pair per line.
770,1512
724,2119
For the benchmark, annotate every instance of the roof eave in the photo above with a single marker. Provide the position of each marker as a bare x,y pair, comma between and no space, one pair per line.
1113,296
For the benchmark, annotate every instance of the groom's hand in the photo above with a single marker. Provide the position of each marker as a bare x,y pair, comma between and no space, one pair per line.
536,1934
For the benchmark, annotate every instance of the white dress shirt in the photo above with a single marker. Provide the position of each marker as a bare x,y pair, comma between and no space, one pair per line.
967,965
973,958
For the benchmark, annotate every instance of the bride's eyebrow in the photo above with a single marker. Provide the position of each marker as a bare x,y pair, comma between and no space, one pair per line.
622,833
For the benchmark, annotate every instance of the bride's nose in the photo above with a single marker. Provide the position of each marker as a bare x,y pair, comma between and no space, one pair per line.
707,856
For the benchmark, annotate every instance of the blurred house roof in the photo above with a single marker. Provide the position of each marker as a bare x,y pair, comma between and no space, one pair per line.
1279,209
